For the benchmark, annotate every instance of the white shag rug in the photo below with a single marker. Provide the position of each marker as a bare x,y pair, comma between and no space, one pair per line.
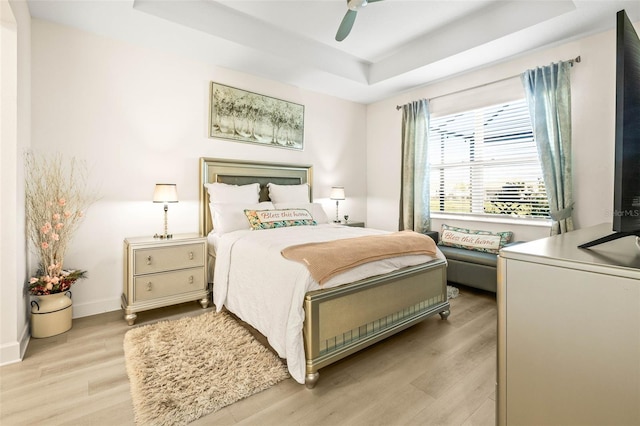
183,369
452,292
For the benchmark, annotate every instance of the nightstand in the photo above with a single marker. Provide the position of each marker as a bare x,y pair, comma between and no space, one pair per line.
354,224
162,272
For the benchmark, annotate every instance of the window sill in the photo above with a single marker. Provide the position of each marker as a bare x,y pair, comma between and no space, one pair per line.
542,223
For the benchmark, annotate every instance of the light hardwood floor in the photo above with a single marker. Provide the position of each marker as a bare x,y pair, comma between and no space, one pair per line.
436,372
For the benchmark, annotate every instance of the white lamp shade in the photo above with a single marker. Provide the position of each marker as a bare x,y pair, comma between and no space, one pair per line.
165,193
337,193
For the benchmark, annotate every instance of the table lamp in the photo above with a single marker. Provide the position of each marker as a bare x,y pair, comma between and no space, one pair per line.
165,193
337,193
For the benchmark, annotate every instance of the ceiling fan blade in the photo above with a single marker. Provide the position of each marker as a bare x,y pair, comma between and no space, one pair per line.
346,25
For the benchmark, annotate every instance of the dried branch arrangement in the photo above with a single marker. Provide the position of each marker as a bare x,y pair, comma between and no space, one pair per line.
57,197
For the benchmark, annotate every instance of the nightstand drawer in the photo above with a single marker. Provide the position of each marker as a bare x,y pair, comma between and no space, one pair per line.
150,260
154,286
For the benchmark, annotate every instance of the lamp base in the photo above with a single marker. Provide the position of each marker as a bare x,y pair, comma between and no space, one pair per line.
163,236
166,235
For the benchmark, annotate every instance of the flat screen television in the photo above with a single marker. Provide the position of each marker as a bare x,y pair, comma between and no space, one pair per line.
626,190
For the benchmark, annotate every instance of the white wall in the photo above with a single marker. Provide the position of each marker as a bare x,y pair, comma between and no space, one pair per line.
15,116
138,116
593,103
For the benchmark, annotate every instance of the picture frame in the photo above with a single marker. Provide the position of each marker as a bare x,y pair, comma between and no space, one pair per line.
243,116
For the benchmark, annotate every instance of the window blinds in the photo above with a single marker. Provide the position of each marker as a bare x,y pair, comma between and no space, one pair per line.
485,161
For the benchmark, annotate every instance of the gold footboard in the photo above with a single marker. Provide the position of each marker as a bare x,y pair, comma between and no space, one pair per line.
342,320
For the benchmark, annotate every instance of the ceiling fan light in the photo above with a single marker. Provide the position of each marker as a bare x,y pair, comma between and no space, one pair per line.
356,4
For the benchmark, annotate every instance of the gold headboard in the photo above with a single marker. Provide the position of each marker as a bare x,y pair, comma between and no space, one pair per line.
242,173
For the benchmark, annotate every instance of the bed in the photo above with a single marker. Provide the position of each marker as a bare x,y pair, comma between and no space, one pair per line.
323,323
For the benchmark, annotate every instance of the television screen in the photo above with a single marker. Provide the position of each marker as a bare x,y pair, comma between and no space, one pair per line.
626,215
626,190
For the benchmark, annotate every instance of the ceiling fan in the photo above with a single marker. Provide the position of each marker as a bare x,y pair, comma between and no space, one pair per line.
350,17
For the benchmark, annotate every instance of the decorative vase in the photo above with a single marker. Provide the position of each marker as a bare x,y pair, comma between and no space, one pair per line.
51,314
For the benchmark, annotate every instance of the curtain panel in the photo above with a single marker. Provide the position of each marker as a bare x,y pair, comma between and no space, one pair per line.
414,191
548,93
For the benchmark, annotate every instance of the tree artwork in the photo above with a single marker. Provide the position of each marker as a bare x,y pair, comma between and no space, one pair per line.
243,116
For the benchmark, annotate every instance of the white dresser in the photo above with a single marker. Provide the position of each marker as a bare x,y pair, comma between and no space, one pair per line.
569,331
161,272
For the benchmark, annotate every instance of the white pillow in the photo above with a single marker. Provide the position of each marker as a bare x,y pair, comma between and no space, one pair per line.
288,193
225,193
229,217
316,210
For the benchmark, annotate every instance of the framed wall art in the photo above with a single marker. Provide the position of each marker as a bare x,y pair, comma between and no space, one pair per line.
244,116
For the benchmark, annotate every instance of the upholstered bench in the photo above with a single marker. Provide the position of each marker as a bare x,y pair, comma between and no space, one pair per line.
472,268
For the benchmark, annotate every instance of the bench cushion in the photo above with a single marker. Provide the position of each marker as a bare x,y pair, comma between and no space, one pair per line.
471,256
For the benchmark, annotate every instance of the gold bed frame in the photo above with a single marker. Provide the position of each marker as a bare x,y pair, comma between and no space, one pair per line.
341,320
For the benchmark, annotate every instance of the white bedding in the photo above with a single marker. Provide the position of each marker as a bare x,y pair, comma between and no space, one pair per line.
256,283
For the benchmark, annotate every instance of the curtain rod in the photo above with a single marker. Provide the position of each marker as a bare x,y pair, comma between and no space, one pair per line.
576,60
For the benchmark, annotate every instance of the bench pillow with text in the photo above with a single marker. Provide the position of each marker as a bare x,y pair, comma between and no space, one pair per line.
470,239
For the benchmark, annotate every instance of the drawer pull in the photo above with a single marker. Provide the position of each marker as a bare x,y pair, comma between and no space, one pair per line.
191,279
149,286
190,255
148,260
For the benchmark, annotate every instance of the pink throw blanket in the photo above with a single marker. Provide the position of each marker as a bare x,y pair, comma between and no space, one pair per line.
327,259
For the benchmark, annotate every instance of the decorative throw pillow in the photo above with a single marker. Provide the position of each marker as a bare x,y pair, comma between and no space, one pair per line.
316,209
267,219
225,193
288,193
485,241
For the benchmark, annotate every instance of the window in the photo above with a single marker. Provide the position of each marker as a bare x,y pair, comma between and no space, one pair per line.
485,162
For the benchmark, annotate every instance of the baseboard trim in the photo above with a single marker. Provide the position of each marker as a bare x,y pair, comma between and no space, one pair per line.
94,308
13,352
